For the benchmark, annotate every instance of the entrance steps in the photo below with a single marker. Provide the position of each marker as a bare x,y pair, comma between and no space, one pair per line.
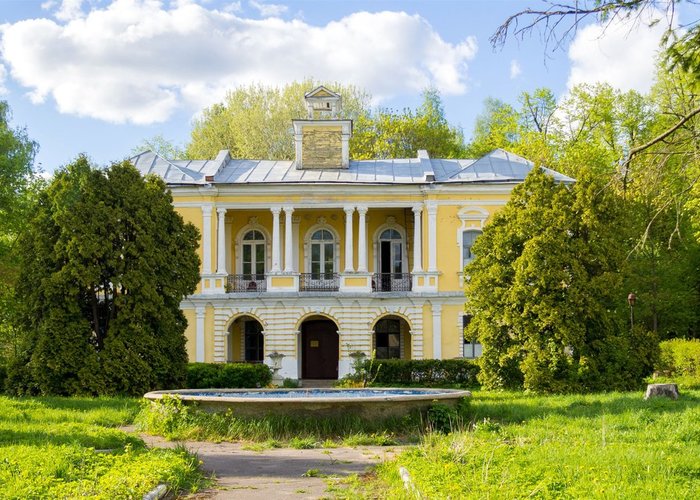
310,383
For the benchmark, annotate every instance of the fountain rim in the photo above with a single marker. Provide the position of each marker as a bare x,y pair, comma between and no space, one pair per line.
427,394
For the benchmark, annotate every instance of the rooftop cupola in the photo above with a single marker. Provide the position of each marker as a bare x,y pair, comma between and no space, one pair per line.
322,140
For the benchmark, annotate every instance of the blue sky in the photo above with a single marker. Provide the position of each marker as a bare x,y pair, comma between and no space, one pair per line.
99,76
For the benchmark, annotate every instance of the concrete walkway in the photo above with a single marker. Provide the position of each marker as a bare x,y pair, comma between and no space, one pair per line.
276,473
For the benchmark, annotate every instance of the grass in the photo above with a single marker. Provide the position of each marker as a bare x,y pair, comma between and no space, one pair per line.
70,447
173,419
516,445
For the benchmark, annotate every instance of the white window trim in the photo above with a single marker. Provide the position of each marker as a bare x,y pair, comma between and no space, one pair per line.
404,248
239,246
307,246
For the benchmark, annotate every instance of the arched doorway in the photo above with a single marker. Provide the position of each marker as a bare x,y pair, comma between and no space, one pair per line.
319,348
246,342
392,338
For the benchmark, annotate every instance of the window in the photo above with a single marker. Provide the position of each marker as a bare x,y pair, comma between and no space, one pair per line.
390,252
254,341
253,255
387,335
468,238
322,258
472,349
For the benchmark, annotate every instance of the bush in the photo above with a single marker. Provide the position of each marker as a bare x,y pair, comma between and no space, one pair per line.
227,375
680,357
426,372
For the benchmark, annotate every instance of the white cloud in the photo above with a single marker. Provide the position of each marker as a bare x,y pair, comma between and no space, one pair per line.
137,60
515,69
268,9
3,75
67,9
620,54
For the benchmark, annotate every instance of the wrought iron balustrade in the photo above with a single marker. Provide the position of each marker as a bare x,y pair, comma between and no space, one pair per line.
392,282
251,283
319,282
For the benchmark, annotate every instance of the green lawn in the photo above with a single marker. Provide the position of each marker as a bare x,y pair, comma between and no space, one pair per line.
515,445
69,447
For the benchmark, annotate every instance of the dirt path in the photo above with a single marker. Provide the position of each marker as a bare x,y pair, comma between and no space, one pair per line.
277,473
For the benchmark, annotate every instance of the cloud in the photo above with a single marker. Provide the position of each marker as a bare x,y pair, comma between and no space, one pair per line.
67,9
138,60
268,9
620,53
515,69
3,75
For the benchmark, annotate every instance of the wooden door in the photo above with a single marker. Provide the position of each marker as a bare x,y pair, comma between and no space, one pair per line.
319,350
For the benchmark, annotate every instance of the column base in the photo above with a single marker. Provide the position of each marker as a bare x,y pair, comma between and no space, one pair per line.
213,283
356,282
426,281
281,282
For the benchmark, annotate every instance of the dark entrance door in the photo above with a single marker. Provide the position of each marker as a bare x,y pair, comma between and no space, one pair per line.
319,349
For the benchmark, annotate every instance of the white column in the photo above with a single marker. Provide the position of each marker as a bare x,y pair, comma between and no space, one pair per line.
288,245
276,239
349,267
362,240
437,331
206,239
221,242
432,238
417,239
199,334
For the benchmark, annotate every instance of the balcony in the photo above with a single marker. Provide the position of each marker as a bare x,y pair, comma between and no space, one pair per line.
251,283
319,282
391,282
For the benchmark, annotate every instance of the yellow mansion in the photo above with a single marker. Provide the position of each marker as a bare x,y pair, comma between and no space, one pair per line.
321,258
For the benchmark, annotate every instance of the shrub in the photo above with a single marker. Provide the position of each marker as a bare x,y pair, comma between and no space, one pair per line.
227,375
425,372
680,357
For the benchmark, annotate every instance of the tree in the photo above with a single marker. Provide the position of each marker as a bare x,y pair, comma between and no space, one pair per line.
545,291
255,122
17,189
105,263
388,134
161,146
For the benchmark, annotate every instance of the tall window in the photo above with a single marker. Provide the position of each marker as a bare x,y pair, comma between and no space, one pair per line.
468,238
322,261
387,335
390,252
253,341
254,255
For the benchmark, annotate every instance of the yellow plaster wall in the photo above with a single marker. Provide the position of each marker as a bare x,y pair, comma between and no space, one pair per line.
448,250
190,335
209,334
451,331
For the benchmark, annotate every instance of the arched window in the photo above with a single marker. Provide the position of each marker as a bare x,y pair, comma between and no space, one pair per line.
322,254
468,238
253,261
387,335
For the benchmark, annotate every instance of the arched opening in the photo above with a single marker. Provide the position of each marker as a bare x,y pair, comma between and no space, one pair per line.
246,341
392,338
319,348
391,262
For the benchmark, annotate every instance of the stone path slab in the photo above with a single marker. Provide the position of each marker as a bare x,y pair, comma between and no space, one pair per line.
279,472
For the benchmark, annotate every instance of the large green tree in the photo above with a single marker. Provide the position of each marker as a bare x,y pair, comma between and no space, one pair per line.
17,189
545,291
104,265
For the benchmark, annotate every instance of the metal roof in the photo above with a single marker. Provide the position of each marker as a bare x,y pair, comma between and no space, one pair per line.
498,166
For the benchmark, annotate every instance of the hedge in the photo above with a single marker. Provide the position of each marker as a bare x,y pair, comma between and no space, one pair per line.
680,357
426,372
227,375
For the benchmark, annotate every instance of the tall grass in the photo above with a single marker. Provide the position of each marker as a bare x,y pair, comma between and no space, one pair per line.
587,446
69,447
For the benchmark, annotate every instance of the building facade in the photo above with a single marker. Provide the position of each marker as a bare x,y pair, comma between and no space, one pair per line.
321,259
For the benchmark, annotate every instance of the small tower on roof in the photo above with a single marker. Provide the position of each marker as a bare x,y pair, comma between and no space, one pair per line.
322,140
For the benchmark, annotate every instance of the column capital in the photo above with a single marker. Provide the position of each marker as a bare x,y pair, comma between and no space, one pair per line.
432,208
221,211
417,209
206,209
276,210
362,209
199,310
349,210
288,209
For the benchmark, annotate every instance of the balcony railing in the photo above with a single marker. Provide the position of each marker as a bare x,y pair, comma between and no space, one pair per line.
251,283
391,282
319,282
